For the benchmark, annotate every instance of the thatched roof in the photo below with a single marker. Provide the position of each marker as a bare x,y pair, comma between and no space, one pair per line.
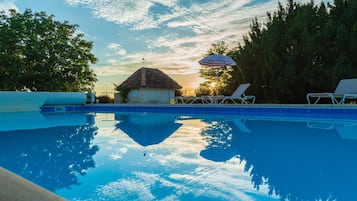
150,77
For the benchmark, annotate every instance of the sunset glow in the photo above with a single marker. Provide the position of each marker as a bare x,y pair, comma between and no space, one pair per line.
170,35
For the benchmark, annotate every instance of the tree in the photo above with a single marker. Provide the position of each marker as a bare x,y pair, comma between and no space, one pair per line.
301,48
40,53
218,77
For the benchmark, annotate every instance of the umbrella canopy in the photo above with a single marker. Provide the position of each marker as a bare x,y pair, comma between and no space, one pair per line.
217,60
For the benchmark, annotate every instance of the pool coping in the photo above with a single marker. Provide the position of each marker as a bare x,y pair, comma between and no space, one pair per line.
325,111
17,188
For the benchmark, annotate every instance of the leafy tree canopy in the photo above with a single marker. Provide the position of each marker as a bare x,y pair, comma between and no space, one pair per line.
301,48
42,54
216,77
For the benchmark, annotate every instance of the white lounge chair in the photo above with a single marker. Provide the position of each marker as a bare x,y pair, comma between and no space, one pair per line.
346,89
184,99
238,94
202,99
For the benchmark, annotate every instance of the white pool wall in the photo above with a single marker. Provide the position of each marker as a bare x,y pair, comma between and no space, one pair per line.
32,101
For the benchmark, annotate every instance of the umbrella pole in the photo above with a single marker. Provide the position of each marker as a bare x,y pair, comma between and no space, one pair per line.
217,82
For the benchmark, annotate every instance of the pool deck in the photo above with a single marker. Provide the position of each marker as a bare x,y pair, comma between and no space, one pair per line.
16,188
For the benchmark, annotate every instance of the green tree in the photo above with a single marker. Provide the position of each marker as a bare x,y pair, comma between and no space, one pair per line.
218,76
301,48
42,54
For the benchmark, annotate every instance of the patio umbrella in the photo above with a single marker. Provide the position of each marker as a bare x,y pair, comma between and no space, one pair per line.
217,60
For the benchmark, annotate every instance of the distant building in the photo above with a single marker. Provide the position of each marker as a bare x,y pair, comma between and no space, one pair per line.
150,86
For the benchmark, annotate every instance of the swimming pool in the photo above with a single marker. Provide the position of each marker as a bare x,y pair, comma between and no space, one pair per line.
184,153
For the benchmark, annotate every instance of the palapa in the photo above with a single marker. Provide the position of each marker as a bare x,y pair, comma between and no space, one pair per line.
151,78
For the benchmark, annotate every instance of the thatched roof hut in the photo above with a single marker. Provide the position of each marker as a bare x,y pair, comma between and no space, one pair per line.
150,77
150,85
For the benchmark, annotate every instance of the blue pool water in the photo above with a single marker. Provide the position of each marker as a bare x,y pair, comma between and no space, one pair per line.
172,156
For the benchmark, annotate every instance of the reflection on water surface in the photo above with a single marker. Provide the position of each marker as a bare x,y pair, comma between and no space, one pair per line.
143,156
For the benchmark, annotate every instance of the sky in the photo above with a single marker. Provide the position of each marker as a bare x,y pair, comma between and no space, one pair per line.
171,35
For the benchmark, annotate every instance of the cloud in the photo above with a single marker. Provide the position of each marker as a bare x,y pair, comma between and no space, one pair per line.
200,18
8,4
113,46
208,23
117,48
121,52
114,54
176,35
135,14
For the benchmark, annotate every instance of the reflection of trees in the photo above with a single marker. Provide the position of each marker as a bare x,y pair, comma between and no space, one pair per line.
296,162
300,163
49,157
221,138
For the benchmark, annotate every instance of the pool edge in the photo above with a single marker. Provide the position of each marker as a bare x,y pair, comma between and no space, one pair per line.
276,110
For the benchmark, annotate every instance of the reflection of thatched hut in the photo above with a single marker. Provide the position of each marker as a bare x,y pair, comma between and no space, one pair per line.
147,129
149,85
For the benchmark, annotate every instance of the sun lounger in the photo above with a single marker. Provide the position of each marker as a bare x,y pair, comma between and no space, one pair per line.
202,99
346,89
238,94
183,99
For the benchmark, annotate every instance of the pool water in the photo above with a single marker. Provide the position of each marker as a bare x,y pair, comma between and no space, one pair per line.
153,156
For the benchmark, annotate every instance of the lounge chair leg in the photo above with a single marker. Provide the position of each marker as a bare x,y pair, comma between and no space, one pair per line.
308,99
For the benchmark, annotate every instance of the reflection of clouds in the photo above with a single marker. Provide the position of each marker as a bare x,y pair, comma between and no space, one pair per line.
172,170
113,140
138,187
119,154
183,150
217,182
132,189
202,182
115,156
205,178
